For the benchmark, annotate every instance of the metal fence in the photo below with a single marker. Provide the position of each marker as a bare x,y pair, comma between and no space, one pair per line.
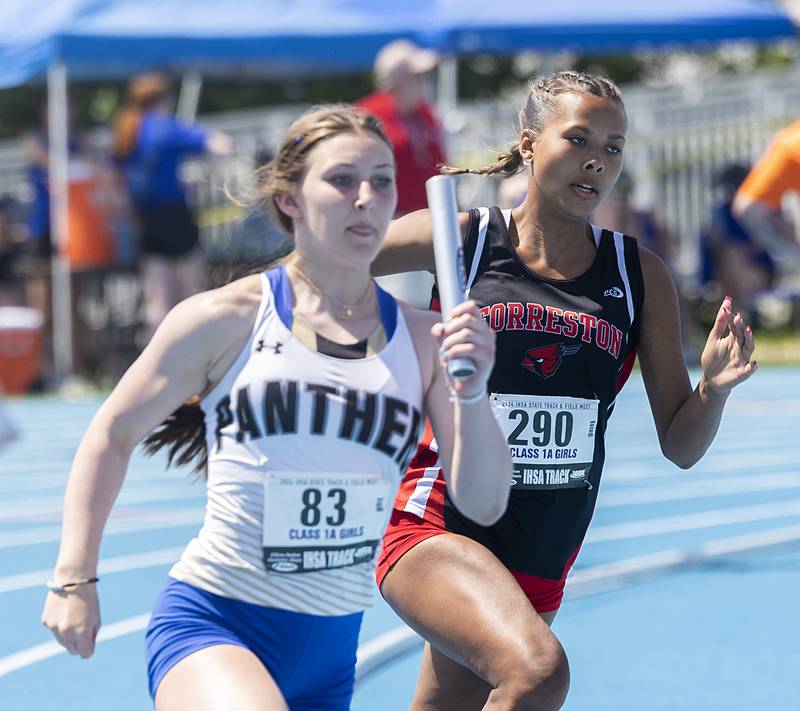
678,139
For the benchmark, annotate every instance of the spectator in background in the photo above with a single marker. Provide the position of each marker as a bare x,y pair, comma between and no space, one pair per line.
34,148
759,200
11,248
39,246
619,213
35,151
408,119
149,144
731,259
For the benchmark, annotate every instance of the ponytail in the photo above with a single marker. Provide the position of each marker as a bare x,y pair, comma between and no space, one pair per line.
507,164
145,92
183,434
126,132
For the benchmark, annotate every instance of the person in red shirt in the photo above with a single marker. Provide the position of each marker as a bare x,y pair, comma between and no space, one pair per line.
407,118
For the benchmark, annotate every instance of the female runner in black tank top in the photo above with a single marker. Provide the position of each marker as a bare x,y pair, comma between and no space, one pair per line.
572,306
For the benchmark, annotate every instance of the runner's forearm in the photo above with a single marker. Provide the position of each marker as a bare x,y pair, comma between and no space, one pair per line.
694,426
95,480
481,473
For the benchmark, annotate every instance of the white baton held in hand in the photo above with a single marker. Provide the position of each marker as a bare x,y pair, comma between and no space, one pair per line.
449,255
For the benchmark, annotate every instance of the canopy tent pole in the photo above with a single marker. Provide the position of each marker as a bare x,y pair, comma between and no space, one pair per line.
58,159
447,88
189,96
447,99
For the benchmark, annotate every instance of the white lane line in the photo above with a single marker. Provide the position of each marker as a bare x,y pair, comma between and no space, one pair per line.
654,466
148,521
598,534
385,647
371,654
54,505
613,575
689,522
120,564
781,405
40,652
698,490
29,483
379,651
734,441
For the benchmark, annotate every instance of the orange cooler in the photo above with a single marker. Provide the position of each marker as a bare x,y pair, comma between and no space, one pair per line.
20,347
90,240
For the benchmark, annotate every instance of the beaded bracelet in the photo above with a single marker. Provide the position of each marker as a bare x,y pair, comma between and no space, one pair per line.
52,586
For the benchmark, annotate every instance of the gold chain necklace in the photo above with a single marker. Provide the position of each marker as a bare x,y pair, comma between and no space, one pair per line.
345,311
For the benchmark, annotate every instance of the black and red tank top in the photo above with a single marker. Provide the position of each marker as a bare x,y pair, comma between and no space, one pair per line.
564,350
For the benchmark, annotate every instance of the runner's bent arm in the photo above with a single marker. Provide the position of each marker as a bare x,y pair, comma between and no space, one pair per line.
174,367
687,420
168,372
408,245
472,449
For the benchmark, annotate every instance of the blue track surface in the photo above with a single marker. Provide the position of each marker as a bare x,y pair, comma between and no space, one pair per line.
717,634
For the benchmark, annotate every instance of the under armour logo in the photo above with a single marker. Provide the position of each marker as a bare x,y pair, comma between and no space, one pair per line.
614,291
276,347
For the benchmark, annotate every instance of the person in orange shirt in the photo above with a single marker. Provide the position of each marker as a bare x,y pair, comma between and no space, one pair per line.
758,202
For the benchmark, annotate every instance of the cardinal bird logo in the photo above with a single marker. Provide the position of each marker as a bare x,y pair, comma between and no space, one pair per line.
546,360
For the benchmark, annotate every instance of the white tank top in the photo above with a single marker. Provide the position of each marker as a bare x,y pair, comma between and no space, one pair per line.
305,453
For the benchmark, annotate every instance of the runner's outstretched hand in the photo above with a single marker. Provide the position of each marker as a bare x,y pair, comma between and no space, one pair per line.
726,359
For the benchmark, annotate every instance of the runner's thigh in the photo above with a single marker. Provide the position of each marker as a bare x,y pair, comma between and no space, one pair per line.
457,595
219,678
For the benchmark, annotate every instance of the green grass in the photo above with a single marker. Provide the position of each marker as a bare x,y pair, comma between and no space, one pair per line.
777,347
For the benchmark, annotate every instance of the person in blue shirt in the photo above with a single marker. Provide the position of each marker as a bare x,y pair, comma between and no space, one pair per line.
35,151
730,257
149,144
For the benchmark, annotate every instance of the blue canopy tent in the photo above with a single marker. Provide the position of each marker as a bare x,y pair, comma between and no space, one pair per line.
469,26
96,38
106,38
103,38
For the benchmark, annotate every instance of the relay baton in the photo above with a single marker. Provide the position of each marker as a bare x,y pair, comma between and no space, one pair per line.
449,255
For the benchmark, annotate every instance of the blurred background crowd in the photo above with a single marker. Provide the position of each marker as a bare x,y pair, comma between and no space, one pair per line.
161,169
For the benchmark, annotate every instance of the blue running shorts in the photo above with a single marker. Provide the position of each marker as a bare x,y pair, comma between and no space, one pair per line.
311,658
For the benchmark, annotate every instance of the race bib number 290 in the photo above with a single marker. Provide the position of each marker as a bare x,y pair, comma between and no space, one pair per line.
550,439
322,521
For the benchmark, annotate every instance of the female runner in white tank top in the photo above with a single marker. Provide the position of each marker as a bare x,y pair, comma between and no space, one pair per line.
313,384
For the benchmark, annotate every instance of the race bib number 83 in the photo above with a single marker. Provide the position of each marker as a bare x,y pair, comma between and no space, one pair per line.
550,439
322,521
